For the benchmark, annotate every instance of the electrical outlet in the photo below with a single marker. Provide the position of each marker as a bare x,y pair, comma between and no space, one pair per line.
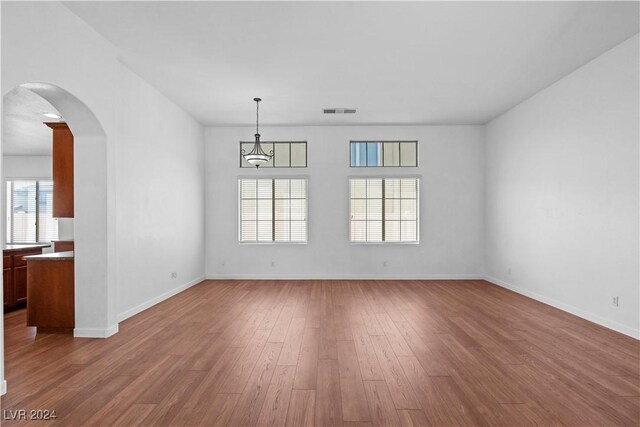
273,263
174,275
615,302
509,271
384,263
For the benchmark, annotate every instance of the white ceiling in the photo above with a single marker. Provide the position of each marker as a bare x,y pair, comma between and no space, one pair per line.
23,129
395,62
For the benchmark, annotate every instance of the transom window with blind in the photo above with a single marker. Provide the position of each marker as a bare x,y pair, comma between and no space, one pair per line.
385,210
29,212
273,210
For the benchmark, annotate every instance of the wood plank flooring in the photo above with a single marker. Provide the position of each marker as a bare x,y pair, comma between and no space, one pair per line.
331,353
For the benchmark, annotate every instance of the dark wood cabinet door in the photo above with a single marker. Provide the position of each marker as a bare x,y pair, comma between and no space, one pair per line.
7,287
51,294
62,170
15,277
20,284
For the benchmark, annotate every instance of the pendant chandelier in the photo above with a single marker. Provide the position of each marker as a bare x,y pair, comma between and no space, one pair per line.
257,156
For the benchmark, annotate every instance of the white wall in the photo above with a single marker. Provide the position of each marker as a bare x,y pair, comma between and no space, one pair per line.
562,192
26,167
160,196
152,163
451,207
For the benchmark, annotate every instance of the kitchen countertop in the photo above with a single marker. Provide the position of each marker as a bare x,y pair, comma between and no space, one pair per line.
54,256
15,248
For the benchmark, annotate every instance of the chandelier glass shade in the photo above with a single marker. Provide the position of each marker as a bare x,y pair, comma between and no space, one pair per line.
257,157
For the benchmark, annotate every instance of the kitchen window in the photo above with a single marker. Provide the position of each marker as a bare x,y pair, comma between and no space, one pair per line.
29,212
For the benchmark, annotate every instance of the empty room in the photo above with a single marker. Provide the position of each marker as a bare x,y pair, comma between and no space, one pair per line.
320,213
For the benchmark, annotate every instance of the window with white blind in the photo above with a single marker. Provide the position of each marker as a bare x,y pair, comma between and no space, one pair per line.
29,212
273,210
385,210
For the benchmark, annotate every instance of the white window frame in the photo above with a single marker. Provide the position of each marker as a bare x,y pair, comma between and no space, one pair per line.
418,202
272,242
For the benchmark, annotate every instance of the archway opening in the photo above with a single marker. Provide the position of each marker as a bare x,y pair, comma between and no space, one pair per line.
94,291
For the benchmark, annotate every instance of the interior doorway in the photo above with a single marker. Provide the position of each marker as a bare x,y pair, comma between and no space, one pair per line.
94,291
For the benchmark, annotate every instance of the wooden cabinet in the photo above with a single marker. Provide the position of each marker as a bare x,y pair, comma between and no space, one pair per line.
20,284
62,170
62,245
14,276
7,287
51,292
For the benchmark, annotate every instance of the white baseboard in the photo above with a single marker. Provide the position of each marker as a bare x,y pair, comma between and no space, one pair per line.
607,323
95,332
3,387
153,301
347,277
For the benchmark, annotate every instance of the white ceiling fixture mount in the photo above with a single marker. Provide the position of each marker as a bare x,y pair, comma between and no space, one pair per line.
52,116
257,156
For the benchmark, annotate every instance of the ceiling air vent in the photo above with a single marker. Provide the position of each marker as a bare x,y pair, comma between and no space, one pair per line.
339,110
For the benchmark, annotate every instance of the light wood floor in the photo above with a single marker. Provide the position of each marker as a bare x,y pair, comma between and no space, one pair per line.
328,353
